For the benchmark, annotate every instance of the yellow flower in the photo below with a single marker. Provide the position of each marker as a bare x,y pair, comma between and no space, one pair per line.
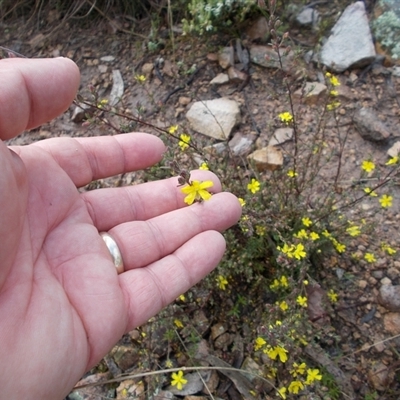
333,92
314,236
340,248
182,297
298,369
178,380
333,105
369,257
260,230
370,192
386,201
253,186
275,284
353,230
169,364
260,342
295,387
102,103
277,351
302,301
184,142
326,234
368,166
204,166
312,375
299,252
140,78
172,129
306,221
284,281
394,160
388,249
278,323
301,234
333,297
196,191
292,174
242,202
283,305
222,282
282,392
286,117
305,282
178,323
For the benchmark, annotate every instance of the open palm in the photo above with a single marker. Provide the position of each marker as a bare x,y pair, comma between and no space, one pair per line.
62,304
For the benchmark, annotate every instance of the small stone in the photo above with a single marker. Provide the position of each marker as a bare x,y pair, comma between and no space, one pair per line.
389,297
267,158
311,93
147,69
223,341
217,329
391,322
240,145
184,100
258,30
394,150
308,16
280,136
369,126
362,284
380,376
267,57
386,281
107,59
117,89
220,79
214,118
236,76
226,57
102,68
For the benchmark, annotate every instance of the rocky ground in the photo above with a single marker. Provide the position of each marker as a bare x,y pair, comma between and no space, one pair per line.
363,357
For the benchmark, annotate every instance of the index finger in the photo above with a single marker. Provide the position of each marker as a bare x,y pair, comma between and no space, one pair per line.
34,91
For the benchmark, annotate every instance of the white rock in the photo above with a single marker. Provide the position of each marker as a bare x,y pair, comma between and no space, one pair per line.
107,58
117,89
214,118
220,79
394,150
350,44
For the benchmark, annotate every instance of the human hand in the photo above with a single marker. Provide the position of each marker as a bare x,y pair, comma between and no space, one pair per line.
62,303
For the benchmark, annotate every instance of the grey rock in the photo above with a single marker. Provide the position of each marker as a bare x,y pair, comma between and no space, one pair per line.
350,43
214,118
280,136
240,145
308,16
267,57
117,89
369,126
311,93
389,297
226,57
